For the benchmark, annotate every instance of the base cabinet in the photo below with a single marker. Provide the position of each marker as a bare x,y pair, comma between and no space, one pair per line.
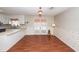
2,43
6,42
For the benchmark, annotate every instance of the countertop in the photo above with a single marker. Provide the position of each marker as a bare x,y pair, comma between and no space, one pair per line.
9,31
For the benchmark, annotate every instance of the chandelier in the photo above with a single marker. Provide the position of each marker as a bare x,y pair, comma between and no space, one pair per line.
40,17
40,12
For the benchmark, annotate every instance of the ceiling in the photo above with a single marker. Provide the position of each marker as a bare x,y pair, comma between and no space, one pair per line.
49,11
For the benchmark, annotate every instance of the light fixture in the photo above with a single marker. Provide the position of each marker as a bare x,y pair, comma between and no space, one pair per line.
53,25
40,17
40,11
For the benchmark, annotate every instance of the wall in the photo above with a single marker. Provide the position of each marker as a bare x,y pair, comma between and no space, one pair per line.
29,26
67,27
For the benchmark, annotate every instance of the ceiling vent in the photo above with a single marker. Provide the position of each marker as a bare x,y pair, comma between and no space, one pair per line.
51,8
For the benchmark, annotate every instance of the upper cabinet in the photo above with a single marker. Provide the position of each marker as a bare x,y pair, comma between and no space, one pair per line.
4,19
21,18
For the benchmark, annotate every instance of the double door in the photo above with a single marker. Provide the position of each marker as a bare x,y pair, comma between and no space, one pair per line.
40,29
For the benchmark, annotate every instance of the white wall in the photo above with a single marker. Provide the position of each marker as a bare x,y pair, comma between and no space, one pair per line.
67,27
29,26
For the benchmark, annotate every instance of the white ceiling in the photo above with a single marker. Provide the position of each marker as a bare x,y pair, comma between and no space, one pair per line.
32,10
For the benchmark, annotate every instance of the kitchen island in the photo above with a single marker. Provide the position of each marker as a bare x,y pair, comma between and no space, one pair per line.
10,37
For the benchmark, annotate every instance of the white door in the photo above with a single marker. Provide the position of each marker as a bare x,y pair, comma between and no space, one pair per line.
40,29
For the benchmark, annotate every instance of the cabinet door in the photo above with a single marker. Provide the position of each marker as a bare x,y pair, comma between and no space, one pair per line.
13,38
21,18
3,42
4,19
1,18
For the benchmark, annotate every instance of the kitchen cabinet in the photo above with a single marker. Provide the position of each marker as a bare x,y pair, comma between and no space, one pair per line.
4,19
2,43
21,18
10,38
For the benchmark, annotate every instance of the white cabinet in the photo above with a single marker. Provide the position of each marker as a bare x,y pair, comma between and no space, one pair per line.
7,41
3,43
4,19
21,18
14,38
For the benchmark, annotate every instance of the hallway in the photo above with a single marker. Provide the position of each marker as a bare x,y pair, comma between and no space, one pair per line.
40,43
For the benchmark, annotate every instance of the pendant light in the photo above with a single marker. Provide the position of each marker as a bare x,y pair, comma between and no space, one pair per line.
40,17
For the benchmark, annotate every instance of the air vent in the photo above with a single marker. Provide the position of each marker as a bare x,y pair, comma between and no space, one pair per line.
51,8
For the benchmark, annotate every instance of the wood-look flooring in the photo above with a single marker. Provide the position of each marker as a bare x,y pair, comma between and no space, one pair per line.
40,43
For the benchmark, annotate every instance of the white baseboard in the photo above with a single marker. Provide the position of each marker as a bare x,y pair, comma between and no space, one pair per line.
68,37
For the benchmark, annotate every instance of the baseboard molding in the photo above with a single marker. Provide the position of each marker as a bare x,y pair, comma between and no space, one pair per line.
68,37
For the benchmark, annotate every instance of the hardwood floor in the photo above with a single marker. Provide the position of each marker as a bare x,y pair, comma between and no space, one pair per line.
40,43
